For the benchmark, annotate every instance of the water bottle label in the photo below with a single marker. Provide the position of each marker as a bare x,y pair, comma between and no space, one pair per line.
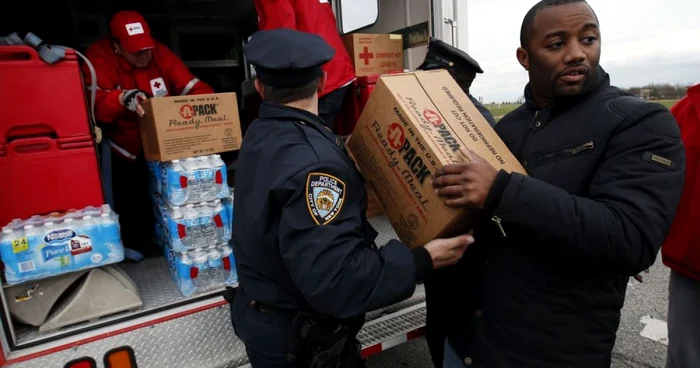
20,245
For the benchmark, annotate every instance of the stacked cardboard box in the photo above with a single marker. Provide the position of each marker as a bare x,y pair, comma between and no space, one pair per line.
412,125
192,202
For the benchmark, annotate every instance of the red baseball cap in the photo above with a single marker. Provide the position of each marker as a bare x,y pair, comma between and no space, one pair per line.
132,31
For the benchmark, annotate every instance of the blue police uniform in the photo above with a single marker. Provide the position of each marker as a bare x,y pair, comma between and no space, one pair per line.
461,66
304,249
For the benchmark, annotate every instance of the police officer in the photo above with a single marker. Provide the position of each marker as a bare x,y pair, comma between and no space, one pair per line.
308,267
460,65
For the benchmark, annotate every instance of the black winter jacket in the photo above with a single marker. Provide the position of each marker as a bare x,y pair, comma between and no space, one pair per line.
605,177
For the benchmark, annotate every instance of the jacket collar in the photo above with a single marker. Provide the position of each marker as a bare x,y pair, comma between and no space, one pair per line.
601,81
280,112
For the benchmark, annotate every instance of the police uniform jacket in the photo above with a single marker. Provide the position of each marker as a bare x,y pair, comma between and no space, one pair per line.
301,238
606,173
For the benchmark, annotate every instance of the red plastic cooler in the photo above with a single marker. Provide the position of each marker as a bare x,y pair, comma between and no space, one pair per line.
48,158
40,98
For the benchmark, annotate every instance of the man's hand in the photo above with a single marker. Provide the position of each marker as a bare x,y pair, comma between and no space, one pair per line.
446,252
466,184
131,99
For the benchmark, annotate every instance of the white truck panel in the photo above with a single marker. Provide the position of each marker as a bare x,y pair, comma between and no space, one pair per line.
398,14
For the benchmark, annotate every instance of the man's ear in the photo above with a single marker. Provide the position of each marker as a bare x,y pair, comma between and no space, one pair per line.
322,83
259,87
117,48
523,58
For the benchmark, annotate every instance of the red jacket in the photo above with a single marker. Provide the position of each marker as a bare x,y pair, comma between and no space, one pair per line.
681,251
166,75
311,16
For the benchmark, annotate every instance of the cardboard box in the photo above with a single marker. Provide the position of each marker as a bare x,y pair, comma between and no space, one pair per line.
374,54
412,125
185,126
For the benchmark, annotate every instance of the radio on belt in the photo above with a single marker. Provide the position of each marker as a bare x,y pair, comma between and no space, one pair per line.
186,126
412,125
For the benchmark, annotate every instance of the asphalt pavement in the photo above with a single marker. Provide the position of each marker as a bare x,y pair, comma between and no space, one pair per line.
641,337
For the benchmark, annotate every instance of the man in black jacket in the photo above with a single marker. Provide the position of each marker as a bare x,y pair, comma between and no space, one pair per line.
544,284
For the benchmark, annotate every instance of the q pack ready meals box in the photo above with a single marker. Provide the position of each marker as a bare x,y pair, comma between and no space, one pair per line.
412,125
185,126
374,54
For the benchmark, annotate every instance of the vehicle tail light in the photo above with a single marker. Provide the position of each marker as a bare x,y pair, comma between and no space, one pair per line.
86,362
122,357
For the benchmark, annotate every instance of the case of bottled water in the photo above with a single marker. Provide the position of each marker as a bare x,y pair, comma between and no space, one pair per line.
45,246
203,269
191,180
192,226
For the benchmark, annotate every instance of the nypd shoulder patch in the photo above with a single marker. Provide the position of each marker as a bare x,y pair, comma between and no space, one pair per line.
325,196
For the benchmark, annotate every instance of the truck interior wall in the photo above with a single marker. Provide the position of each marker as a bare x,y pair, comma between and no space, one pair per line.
182,25
395,15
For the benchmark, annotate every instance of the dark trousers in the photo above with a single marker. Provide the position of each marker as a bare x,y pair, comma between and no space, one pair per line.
331,104
132,202
267,336
683,322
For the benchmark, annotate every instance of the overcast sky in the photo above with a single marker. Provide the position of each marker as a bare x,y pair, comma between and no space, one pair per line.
643,41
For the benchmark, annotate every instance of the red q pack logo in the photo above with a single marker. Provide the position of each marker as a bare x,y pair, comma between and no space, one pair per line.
396,136
432,117
186,111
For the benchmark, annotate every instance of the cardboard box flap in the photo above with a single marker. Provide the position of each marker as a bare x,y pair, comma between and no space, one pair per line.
448,98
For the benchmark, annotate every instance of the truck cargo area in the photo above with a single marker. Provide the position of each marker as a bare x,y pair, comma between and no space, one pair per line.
207,35
170,328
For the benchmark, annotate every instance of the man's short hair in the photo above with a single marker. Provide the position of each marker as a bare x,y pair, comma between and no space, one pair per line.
529,20
283,95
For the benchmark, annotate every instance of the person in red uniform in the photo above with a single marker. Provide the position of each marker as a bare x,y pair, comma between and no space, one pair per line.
681,250
130,67
314,16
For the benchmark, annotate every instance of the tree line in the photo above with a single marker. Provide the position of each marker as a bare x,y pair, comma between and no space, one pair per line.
663,91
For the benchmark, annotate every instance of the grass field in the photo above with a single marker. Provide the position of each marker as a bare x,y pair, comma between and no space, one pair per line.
499,110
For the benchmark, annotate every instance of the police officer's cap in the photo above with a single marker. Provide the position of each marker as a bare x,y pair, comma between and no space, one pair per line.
287,58
443,56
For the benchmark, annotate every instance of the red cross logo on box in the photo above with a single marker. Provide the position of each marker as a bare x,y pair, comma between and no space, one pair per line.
366,55
156,84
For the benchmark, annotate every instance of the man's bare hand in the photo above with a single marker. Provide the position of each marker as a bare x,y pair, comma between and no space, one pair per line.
446,252
466,184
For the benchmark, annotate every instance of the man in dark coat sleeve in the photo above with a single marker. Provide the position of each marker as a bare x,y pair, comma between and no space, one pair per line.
545,283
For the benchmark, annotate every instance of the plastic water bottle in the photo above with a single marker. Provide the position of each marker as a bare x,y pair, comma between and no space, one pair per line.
108,229
178,183
220,176
190,168
216,271
8,236
89,226
184,274
35,220
191,222
229,265
176,227
205,174
200,262
222,221
207,226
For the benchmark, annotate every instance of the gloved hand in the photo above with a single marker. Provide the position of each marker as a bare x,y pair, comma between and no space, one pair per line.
131,99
